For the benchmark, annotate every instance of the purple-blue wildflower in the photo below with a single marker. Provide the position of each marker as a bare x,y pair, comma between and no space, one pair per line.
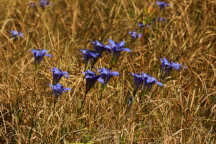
89,54
167,66
162,4
135,35
44,3
116,48
144,79
91,78
58,74
140,24
58,89
16,34
99,47
39,54
106,74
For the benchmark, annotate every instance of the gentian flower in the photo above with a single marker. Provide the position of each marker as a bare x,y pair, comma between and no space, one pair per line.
106,74
58,74
144,79
138,80
116,48
58,89
161,19
135,35
167,66
44,3
89,54
162,4
39,54
15,33
140,24
151,80
99,47
91,78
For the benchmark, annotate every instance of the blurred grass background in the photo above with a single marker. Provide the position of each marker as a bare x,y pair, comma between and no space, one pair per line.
183,111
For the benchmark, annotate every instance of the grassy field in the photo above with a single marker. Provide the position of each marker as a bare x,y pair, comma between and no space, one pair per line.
182,110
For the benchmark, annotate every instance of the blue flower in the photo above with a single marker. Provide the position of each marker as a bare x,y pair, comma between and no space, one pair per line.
140,24
116,48
91,78
106,74
89,54
162,4
44,3
151,80
138,80
176,66
58,89
39,54
99,47
135,35
16,34
144,79
167,66
58,74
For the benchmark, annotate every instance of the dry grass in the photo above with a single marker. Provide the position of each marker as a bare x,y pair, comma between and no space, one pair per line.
182,111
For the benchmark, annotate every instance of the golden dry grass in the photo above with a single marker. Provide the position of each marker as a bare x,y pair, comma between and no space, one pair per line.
182,111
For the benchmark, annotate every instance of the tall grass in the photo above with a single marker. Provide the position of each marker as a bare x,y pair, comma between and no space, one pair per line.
182,111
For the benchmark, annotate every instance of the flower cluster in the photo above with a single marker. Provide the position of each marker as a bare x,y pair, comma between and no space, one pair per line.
99,48
103,77
143,79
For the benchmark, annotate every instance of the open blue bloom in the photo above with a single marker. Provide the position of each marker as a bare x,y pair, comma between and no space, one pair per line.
58,74
89,54
116,48
167,66
44,3
144,79
106,74
176,66
99,47
58,89
162,4
16,34
91,78
151,80
135,35
39,54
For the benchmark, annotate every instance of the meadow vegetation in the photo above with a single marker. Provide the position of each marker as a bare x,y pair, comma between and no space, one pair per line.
181,110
